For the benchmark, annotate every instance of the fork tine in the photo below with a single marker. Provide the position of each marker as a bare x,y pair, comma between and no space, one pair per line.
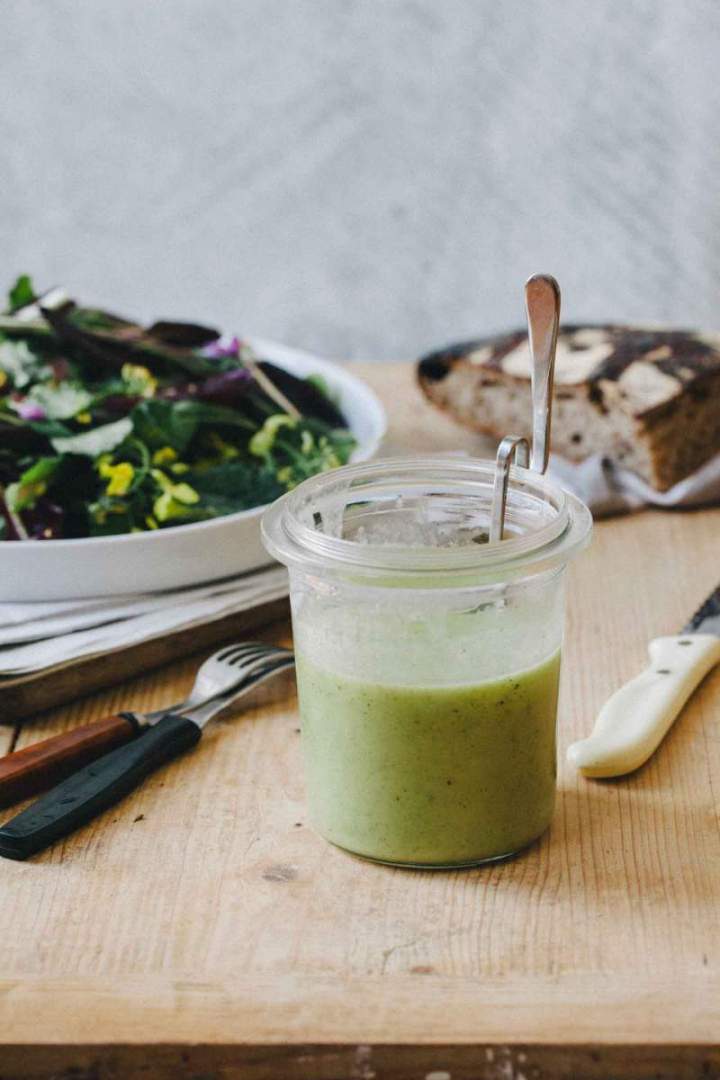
232,653
286,662
259,672
235,649
252,664
251,655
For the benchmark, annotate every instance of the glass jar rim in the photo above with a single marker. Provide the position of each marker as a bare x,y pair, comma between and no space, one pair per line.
299,545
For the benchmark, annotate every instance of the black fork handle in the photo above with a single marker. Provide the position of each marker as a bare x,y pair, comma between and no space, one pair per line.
95,788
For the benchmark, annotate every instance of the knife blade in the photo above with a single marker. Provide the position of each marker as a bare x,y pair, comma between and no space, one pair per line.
706,619
634,721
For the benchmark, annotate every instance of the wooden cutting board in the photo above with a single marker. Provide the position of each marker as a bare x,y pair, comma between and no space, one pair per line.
27,695
203,930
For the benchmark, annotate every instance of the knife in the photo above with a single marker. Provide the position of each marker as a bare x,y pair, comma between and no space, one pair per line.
633,723
104,782
41,764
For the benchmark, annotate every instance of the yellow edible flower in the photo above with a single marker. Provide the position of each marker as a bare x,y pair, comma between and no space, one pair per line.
83,417
120,476
166,507
263,440
307,442
164,456
183,493
175,498
138,379
330,461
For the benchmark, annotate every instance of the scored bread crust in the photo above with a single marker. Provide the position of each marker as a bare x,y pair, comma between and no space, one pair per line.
645,397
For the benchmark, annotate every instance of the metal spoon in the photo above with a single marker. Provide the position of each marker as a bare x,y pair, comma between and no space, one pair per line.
542,302
512,448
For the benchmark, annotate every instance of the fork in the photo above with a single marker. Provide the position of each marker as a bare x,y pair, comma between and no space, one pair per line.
36,767
85,794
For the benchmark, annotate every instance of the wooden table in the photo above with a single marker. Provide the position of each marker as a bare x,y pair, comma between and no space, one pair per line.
202,930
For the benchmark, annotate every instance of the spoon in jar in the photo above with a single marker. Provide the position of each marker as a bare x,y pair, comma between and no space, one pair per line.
542,302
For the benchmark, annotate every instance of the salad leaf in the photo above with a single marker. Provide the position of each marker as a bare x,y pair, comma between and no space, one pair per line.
113,341
320,383
32,485
95,319
173,423
17,437
163,423
185,334
50,429
22,365
21,294
207,413
305,395
42,469
233,486
99,440
228,388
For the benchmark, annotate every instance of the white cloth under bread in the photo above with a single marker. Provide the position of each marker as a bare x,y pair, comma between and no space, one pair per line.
608,490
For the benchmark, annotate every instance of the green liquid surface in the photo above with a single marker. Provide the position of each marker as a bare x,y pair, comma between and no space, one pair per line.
430,775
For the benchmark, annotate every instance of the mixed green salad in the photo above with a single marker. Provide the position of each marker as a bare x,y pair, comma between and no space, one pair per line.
108,427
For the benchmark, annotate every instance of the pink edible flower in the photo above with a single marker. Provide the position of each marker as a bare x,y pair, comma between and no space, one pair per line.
30,410
218,349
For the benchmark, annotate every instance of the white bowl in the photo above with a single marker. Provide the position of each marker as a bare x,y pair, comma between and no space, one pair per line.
185,554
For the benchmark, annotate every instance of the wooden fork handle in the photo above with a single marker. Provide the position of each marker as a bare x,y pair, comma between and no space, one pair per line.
39,766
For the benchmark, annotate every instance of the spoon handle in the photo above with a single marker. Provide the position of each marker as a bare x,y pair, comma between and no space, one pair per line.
512,446
542,301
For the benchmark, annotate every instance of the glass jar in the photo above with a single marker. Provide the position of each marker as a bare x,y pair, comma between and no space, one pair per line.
427,658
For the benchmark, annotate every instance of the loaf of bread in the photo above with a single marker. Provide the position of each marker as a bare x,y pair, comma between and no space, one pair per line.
647,399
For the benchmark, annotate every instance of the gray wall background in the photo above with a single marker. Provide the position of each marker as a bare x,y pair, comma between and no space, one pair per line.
360,177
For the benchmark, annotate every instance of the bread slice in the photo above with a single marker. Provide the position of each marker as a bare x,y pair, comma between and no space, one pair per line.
646,398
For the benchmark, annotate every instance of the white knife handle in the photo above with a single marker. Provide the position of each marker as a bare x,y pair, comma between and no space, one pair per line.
633,723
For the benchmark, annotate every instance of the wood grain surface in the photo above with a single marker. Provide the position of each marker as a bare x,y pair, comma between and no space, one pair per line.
201,929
